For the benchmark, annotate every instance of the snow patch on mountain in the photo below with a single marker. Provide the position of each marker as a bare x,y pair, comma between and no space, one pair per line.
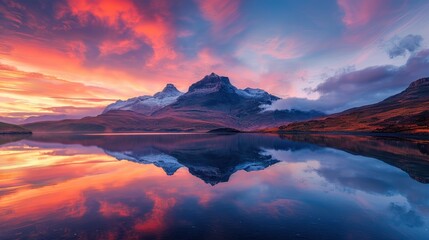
256,93
125,105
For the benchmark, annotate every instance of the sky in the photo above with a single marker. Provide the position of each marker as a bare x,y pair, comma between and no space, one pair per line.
71,58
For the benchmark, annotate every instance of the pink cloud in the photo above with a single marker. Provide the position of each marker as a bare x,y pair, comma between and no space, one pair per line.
368,21
108,10
222,14
117,47
360,13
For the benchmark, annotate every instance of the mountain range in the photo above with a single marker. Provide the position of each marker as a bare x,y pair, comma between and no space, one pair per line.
406,112
214,103
211,103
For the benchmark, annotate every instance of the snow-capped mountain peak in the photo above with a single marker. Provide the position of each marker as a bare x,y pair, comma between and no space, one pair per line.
169,91
148,104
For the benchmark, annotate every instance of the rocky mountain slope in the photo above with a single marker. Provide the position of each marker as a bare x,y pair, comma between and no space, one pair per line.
406,112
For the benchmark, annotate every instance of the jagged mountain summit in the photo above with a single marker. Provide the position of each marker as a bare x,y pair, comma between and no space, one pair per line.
214,83
217,90
211,103
406,112
147,104
211,83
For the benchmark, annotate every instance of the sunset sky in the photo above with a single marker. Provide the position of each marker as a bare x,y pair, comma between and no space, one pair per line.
72,58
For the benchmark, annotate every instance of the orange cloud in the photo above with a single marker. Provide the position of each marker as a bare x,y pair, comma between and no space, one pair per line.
152,27
14,81
115,209
37,93
66,60
155,220
117,47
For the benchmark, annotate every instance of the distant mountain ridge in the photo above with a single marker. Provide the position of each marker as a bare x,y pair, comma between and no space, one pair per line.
6,128
406,112
211,103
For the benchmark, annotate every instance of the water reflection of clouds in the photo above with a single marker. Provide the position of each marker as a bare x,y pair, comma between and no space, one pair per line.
403,197
406,216
310,188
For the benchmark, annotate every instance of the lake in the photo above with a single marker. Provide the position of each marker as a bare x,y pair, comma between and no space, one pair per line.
208,186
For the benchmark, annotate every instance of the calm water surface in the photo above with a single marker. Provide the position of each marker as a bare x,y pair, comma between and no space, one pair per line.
239,186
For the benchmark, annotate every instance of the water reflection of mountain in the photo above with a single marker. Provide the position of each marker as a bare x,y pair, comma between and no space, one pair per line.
8,138
411,156
214,158
210,157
